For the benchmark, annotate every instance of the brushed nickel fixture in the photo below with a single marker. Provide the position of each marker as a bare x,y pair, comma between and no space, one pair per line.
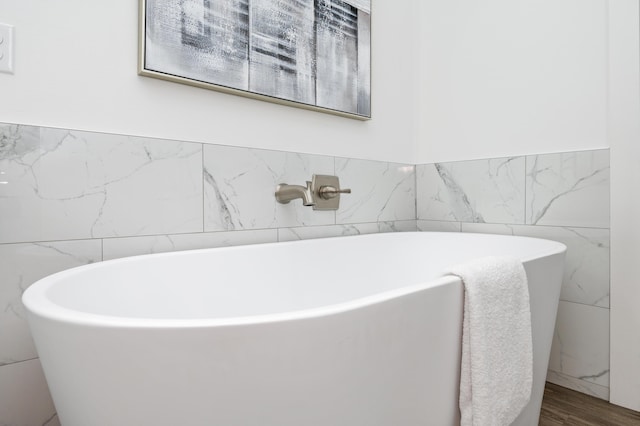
322,192
286,193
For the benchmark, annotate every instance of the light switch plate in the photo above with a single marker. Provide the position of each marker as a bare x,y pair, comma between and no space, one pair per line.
6,48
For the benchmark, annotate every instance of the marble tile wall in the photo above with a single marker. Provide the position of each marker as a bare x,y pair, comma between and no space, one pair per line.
563,197
69,198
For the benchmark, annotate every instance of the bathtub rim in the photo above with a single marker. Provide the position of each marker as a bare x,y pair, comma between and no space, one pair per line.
54,312
38,304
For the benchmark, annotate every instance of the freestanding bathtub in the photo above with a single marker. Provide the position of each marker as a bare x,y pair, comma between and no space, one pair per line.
348,331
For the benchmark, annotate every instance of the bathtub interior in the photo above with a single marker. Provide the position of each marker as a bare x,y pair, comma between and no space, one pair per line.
271,278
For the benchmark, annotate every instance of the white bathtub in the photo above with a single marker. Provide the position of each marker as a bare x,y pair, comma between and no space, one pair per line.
349,331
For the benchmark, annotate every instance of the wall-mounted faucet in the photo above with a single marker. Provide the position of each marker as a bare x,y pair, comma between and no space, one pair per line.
286,193
322,193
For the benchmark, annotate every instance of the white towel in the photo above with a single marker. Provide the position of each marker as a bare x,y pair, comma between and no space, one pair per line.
497,360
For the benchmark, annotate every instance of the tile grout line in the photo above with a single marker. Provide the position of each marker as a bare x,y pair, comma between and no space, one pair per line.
19,362
203,183
63,240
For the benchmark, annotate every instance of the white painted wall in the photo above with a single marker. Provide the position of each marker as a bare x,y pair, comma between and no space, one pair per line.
492,78
511,77
76,67
624,133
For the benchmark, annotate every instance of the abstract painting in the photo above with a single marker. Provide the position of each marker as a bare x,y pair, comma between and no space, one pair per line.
310,53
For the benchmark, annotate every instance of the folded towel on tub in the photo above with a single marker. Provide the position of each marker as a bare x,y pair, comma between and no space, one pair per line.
497,360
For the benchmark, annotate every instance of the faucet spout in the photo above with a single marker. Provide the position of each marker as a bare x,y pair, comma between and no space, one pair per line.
286,193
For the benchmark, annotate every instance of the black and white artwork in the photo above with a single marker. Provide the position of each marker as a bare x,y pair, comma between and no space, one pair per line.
311,52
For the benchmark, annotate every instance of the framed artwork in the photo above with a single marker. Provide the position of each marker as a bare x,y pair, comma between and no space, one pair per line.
313,54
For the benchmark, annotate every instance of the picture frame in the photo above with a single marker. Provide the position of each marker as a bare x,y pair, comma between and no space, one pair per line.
312,54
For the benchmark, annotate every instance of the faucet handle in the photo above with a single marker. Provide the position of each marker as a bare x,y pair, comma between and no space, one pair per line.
328,192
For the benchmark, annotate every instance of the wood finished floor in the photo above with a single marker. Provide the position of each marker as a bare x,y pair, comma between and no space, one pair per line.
564,407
